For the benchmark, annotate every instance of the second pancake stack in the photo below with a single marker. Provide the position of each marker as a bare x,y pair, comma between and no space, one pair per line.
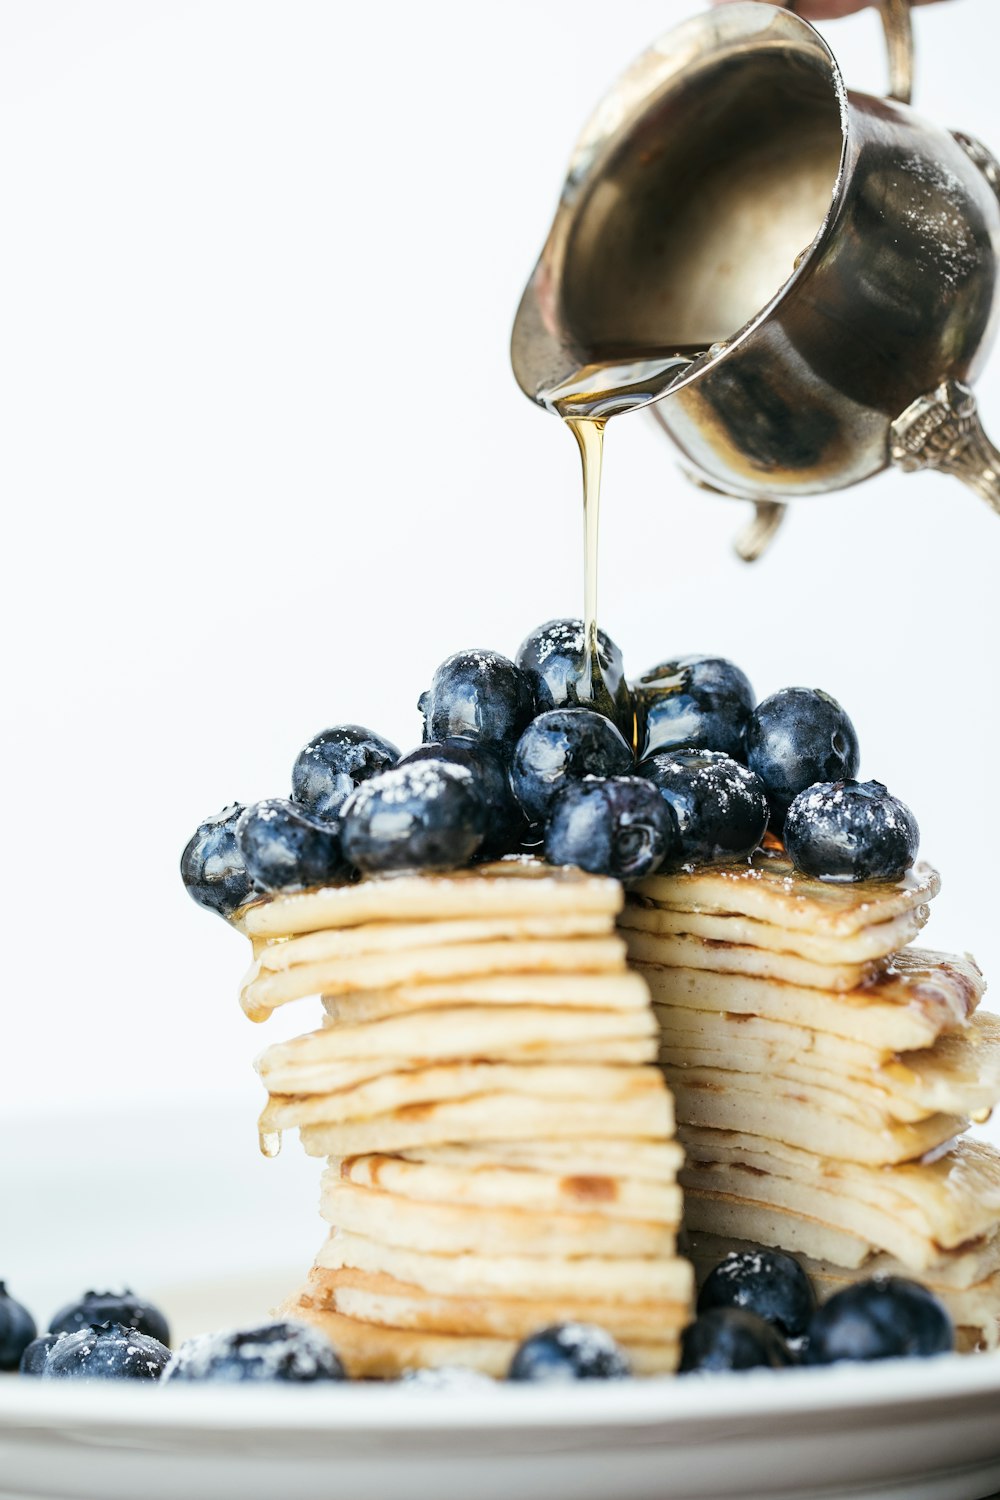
823,1077
501,1153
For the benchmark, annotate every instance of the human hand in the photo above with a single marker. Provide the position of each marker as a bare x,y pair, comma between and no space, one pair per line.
829,10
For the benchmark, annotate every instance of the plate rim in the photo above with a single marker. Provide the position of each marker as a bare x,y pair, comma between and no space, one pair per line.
731,1400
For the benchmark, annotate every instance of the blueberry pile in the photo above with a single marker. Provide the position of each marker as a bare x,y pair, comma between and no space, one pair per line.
757,1310
548,755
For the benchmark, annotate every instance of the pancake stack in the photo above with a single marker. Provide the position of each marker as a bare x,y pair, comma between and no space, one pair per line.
824,1076
499,1140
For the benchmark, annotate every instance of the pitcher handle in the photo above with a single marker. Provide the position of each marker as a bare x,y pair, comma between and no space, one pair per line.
942,431
897,24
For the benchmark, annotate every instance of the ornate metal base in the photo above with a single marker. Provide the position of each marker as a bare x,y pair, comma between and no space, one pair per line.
942,431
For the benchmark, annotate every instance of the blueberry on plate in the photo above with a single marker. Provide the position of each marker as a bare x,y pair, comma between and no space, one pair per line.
334,762
568,1352
17,1330
766,1282
560,746
477,695
618,825
851,830
702,702
505,821
887,1317
273,1351
286,850
35,1357
720,806
212,866
795,738
425,816
554,659
124,1308
107,1352
731,1338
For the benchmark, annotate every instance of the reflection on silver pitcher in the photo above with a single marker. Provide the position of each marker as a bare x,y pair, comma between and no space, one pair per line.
813,270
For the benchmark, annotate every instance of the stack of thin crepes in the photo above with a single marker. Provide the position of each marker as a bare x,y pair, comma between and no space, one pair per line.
500,1140
824,1075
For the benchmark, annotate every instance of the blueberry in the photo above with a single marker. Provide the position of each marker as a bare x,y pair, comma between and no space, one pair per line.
554,659
477,695
720,806
702,702
795,738
504,818
766,1282
885,1318
568,1352
17,1329
851,830
563,745
425,816
730,1338
285,850
273,1351
124,1308
212,866
334,762
107,1352
619,826
35,1357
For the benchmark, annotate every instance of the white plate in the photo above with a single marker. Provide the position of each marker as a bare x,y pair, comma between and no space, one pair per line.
188,1214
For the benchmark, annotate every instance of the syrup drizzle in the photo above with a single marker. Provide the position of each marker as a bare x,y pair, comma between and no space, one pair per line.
586,402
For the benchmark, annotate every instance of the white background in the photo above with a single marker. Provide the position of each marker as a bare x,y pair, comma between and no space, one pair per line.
265,464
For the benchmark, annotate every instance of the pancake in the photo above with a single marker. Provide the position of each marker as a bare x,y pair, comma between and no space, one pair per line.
580,1159
607,991
264,990
960,1075
591,1277
378,1298
327,1060
907,1007
867,943
455,1228
394,937
805,1116
513,887
419,1088
531,1190
369,1351
489,1116
682,951
769,889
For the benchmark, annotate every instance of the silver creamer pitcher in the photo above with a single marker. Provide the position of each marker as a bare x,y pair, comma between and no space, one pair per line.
822,263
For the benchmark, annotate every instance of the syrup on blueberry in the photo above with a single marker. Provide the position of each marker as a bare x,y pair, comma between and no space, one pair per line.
702,702
286,850
560,746
554,659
